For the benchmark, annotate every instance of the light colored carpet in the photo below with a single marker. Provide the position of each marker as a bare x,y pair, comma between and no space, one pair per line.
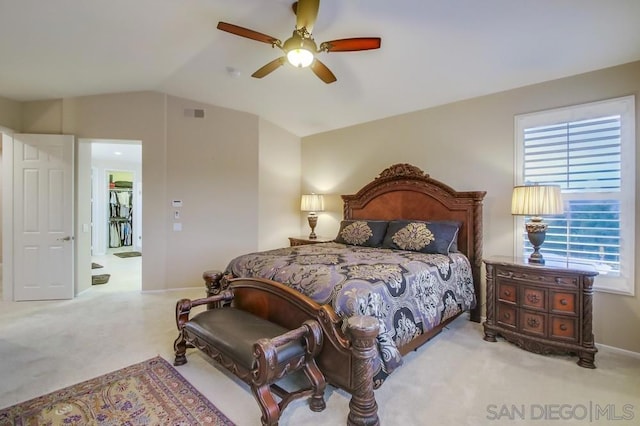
456,379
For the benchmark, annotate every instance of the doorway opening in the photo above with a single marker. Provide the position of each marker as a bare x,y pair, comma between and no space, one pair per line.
116,215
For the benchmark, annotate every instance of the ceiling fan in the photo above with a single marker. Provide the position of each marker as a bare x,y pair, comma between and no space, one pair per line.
301,49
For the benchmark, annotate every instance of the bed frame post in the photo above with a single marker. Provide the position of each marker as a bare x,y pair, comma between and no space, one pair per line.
475,314
363,409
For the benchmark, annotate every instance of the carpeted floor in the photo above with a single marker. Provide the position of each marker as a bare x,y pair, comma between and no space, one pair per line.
128,254
456,379
148,393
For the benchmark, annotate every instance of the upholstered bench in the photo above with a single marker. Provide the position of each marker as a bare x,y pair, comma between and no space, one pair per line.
257,351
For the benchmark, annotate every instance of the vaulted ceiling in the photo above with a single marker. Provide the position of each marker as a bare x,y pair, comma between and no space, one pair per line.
433,52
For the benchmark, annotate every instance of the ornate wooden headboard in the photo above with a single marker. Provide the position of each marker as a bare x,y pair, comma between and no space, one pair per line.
403,191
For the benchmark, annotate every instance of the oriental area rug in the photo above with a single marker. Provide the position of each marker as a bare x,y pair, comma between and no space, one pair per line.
149,393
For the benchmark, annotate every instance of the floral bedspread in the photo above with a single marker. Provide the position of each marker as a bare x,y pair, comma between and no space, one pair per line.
408,292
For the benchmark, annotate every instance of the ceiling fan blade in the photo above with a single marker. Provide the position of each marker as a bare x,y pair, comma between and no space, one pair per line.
351,44
306,13
245,32
270,67
322,71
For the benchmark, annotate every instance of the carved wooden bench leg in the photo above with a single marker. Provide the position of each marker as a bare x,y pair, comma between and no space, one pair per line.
363,409
183,307
313,340
268,405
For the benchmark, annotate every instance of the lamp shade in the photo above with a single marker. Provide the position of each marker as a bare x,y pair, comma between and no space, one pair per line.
312,203
537,200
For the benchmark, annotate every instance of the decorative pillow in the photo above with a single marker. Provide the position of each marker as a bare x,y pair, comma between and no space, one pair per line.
426,237
369,233
457,224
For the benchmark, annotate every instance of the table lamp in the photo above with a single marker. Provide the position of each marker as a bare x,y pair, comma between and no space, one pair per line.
312,203
536,201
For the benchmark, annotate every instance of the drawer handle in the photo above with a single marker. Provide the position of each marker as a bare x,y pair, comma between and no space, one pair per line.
507,293
563,327
507,315
532,322
564,302
533,298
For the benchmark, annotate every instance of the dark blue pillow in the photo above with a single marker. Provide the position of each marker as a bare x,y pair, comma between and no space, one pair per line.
426,237
369,233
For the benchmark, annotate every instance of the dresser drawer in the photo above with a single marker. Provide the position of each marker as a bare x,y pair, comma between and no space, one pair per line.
534,298
543,308
533,323
507,292
538,277
507,315
564,328
564,302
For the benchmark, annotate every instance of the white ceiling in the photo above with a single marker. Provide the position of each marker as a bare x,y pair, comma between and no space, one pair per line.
433,52
117,151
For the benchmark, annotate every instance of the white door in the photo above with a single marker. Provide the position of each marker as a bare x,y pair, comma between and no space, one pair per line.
43,217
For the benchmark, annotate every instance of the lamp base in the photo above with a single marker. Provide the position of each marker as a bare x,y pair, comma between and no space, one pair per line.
536,257
313,221
536,238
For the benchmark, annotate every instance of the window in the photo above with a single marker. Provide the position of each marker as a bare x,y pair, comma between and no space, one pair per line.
589,150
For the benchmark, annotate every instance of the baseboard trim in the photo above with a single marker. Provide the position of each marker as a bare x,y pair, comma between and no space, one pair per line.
619,350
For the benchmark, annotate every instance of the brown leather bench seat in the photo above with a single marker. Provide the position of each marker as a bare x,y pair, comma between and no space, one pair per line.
219,328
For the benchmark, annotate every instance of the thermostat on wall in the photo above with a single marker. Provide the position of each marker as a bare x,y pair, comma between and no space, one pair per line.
176,203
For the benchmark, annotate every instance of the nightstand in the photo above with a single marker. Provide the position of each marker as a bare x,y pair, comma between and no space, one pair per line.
541,308
299,241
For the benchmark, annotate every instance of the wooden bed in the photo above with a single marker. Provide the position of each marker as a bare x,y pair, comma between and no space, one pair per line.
401,191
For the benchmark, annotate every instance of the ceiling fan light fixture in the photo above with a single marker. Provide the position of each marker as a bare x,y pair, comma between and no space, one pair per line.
300,49
300,58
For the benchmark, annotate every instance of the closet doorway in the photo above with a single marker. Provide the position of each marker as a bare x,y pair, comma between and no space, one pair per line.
116,214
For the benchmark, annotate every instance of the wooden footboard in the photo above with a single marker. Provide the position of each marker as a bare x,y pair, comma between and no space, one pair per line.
346,360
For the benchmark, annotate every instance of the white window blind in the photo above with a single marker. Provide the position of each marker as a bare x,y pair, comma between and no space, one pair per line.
589,150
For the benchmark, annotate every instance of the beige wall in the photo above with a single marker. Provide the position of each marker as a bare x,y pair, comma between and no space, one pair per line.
10,120
10,114
42,116
212,164
82,217
279,187
469,145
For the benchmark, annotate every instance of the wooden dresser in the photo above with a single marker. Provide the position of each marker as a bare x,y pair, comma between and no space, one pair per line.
541,308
